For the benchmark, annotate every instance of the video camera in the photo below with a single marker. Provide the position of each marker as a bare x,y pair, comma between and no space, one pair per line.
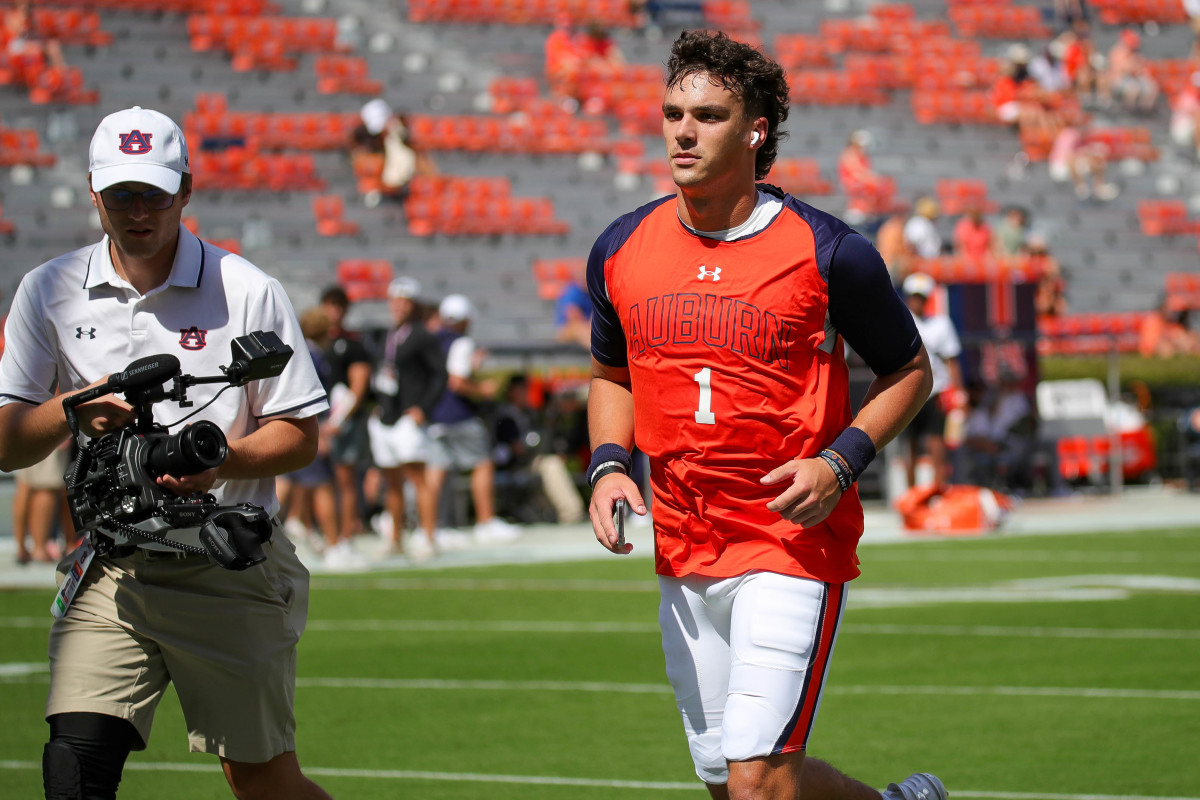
113,482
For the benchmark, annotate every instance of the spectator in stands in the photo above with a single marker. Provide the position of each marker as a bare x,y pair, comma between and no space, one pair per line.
37,501
921,235
523,448
1083,161
1166,332
926,433
1009,234
1128,79
973,235
1048,69
408,381
1080,62
1019,100
563,61
1050,297
380,148
889,241
1000,434
1192,9
346,428
573,310
1185,115
459,438
19,37
867,192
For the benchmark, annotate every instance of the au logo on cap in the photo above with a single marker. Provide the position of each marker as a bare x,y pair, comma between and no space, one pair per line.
135,143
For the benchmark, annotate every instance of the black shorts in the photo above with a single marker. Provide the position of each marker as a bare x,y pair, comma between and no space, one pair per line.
929,421
351,444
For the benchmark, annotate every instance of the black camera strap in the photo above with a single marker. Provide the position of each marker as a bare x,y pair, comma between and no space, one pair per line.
137,534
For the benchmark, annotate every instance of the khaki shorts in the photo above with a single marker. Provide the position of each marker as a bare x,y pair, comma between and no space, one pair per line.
226,639
47,473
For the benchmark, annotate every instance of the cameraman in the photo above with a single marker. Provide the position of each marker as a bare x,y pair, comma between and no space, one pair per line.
145,614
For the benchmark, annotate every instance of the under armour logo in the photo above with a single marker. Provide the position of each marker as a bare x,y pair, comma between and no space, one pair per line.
89,333
135,143
192,338
715,274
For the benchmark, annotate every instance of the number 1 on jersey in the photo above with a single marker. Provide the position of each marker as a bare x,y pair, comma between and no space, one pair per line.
704,414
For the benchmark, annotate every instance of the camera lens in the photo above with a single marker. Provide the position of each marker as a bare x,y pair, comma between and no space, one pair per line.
194,449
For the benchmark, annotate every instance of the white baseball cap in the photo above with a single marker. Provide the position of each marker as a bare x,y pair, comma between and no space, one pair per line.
375,115
456,308
919,283
138,145
404,286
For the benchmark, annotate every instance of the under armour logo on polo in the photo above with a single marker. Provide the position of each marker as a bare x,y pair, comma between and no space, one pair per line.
192,338
715,274
89,333
135,143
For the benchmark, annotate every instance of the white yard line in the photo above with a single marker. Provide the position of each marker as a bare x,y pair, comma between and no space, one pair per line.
550,780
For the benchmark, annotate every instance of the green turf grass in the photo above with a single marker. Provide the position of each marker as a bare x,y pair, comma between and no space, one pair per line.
953,659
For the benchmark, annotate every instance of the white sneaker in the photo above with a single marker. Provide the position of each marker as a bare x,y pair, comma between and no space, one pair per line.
295,529
418,547
343,556
496,530
450,539
918,786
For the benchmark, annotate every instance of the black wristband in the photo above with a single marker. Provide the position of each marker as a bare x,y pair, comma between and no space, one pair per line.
840,471
856,450
607,468
605,455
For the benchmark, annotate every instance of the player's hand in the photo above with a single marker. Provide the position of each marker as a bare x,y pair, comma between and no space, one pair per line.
189,484
104,414
811,495
604,497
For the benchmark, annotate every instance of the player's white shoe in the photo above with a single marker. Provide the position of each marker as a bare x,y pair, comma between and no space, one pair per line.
496,530
918,786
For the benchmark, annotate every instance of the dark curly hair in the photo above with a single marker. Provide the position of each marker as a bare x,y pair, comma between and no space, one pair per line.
750,75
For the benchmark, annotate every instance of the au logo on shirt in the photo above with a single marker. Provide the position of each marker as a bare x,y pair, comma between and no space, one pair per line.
192,338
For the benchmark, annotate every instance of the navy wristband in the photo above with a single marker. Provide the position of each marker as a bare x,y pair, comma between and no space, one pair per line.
855,448
605,454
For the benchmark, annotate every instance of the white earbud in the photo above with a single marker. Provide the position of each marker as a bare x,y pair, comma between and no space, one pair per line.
754,138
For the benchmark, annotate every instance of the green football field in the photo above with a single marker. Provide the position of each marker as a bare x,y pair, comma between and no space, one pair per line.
1062,667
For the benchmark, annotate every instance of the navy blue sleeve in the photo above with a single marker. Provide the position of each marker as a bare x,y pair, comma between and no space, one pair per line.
608,338
865,308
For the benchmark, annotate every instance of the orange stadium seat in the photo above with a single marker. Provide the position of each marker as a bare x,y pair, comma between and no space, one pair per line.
1165,218
329,211
1183,290
1138,12
7,226
959,195
794,50
999,21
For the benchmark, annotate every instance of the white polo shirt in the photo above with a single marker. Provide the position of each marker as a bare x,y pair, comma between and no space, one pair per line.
74,320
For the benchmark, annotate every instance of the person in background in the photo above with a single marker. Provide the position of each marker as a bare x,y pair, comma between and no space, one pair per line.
926,434
380,150
752,445
889,241
573,311
973,235
311,501
999,435
346,428
409,379
867,192
1010,232
1128,79
1083,161
460,438
1050,297
1185,115
522,444
921,235
37,503
1166,332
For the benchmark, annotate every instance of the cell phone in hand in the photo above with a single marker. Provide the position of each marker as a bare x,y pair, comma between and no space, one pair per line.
619,520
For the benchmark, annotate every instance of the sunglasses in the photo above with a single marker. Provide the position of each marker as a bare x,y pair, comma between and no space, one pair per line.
122,199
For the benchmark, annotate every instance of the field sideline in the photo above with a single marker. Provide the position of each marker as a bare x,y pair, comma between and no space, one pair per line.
1060,667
